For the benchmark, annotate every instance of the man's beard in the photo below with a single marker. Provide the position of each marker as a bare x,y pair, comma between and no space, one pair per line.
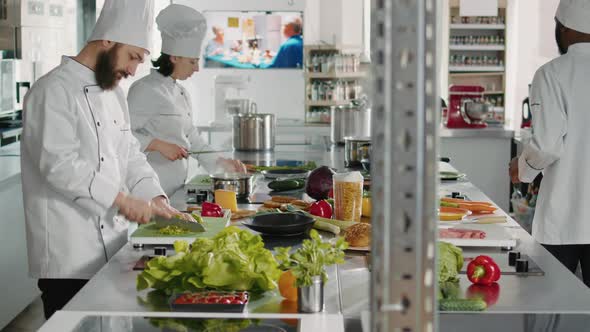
562,50
106,74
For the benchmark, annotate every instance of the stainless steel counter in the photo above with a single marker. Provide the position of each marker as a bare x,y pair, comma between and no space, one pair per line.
112,291
558,291
490,132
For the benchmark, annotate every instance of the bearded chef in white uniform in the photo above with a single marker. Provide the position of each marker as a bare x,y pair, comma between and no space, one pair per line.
560,106
160,108
82,171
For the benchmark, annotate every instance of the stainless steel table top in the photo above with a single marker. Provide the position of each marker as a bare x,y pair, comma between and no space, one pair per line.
112,290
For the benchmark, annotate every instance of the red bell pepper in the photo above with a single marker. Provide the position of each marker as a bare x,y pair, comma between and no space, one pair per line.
211,210
321,209
483,271
489,294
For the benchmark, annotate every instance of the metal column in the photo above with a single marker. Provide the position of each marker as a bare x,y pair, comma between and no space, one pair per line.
405,104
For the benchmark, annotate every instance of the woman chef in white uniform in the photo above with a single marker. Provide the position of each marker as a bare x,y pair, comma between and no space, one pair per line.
560,106
160,108
82,171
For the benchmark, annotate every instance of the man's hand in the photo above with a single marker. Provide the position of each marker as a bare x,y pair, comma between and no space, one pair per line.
231,165
514,171
138,210
161,202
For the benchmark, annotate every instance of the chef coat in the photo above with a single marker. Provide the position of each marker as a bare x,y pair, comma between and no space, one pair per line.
161,108
560,107
77,154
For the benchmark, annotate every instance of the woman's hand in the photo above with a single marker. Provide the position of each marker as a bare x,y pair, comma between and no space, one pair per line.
170,151
231,165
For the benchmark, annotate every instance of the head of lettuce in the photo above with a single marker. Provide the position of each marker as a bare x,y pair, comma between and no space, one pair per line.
450,262
234,259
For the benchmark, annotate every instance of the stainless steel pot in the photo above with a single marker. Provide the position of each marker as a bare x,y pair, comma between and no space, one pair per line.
239,183
355,150
254,132
240,106
350,120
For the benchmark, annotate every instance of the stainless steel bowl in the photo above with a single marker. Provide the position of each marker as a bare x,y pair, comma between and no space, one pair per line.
239,183
477,111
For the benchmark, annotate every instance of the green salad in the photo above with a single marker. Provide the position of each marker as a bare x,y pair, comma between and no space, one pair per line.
234,259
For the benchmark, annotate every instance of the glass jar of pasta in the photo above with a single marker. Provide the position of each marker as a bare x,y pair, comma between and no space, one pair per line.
348,196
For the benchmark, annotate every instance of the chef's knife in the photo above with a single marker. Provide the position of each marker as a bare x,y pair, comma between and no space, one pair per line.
192,226
207,152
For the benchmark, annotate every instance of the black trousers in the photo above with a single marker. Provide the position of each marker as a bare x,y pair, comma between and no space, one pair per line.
56,293
572,254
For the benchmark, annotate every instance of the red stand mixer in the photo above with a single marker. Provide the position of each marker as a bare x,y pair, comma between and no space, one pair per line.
467,108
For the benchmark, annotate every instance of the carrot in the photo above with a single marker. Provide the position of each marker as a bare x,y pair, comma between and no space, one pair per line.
462,201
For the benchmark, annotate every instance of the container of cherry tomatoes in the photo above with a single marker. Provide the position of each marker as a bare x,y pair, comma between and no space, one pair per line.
210,301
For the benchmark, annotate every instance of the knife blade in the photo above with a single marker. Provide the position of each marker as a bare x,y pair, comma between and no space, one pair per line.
162,222
206,152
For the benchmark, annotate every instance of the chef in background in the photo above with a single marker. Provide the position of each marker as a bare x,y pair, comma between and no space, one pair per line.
290,54
161,110
560,106
81,165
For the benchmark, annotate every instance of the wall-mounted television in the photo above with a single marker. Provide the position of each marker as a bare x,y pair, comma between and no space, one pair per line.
253,40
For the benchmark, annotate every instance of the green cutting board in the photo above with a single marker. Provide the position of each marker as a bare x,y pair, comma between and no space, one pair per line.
148,233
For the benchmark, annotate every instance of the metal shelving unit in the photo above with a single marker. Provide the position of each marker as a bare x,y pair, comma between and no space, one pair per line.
462,26
492,74
476,69
334,75
477,47
405,101
328,78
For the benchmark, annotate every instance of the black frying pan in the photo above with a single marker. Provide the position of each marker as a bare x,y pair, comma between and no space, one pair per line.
280,224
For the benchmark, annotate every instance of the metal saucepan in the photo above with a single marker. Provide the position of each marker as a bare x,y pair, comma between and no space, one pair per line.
355,150
239,183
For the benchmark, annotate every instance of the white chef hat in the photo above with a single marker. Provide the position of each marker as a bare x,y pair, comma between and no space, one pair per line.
574,14
126,21
183,30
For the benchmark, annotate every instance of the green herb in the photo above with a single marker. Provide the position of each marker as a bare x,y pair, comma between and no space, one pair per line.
197,217
173,230
311,259
234,259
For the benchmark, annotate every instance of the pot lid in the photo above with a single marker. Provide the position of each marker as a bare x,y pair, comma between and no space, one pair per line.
230,176
357,139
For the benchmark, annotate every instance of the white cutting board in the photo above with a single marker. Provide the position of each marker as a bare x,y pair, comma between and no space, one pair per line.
496,236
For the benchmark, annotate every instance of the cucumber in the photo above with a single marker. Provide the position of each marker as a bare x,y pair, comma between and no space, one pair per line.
462,305
324,226
285,185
